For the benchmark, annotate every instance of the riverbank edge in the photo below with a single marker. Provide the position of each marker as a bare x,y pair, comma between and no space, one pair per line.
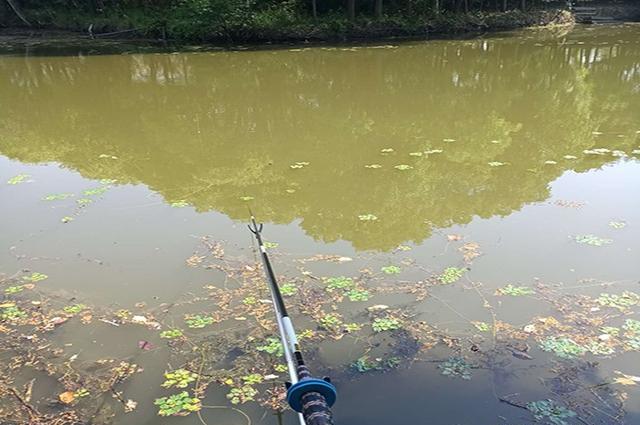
444,25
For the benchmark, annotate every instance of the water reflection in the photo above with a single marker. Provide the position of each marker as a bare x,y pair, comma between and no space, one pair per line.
213,128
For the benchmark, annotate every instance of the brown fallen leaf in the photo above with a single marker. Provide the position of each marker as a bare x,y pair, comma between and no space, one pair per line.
625,379
453,238
67,397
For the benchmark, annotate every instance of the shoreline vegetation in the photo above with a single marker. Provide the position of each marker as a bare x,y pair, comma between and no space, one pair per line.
264,21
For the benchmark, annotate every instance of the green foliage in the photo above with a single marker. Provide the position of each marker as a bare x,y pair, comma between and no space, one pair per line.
272,346
456,367
13,289
179,378
242,394
171,334
270,245
82,392
177,404
386,324
35,277
390,269
20,178
11,313
621,302
288,289
592,240
550,411
74,309
339,282
198,321
482,326
364,364
358,295
516,291
451,275
565,348
352,327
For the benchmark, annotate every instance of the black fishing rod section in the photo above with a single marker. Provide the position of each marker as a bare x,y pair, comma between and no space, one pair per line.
309,396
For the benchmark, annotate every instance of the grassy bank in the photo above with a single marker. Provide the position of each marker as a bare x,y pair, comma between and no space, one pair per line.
229,21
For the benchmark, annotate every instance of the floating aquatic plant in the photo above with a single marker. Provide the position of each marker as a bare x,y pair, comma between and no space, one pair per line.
456,367
179,378
515,291
74,309
451,275
57,196
270,245
253,378
11,312
339,282
242,394
481,326
617,224
177,404
563,347
288,289
272,346
367,217
95,191
331,321
14,289
66,219
171,334
352,327
249,300
358,295
386,324
550,411
592,240
621,302
83,201
599,348
20,178
198,321
35,277
390,269
632,326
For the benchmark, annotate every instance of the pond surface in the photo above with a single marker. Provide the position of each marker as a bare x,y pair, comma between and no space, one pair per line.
467,165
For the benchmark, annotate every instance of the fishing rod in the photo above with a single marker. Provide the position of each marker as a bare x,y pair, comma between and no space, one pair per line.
311,397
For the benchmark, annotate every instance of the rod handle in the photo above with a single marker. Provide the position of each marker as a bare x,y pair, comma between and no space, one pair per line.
313,398
315,409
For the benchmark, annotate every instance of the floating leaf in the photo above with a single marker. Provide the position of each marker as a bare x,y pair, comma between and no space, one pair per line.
515,291
621,302
67,397
482,326
197,321
177,404
35,277
386,324
66,219
340,282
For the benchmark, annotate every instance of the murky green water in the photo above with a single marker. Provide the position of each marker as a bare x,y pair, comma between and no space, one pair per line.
524,144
